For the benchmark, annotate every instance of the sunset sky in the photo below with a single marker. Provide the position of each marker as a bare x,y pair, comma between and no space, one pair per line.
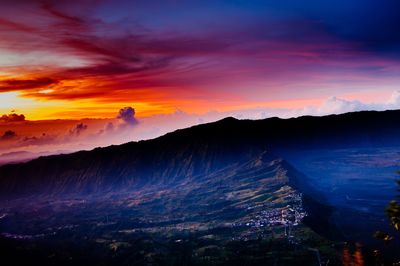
179,63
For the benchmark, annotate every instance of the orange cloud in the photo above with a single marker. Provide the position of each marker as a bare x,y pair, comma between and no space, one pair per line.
12,118
25,84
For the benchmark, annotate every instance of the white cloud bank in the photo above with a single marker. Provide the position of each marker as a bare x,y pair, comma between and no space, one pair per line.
334,105
157,125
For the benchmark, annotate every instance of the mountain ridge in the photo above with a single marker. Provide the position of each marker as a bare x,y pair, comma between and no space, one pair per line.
217,184
197,149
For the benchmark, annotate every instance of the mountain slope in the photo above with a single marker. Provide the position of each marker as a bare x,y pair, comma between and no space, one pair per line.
194,151
249,205
204,193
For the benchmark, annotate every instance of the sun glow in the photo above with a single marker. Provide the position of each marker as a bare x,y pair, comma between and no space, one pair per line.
46,91
12,101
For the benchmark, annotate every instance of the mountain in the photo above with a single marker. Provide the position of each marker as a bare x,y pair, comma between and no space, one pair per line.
206,190
194,151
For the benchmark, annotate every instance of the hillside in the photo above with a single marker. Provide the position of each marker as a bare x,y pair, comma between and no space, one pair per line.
195,151
200,195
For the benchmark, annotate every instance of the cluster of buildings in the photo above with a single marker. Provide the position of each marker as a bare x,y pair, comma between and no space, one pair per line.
288,216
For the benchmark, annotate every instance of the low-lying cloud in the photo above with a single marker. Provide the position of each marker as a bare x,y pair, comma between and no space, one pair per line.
78,129
43,139
335,105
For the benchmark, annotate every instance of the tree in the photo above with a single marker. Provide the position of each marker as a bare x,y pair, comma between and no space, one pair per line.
393,213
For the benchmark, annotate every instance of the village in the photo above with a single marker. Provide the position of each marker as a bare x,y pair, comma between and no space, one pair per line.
289,216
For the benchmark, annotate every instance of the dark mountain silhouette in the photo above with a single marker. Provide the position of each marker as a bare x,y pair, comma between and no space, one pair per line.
194,152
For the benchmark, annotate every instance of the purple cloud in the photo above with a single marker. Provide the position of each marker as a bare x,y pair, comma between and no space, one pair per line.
127,115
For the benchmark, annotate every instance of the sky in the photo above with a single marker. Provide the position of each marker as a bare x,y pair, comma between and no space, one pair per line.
81,74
